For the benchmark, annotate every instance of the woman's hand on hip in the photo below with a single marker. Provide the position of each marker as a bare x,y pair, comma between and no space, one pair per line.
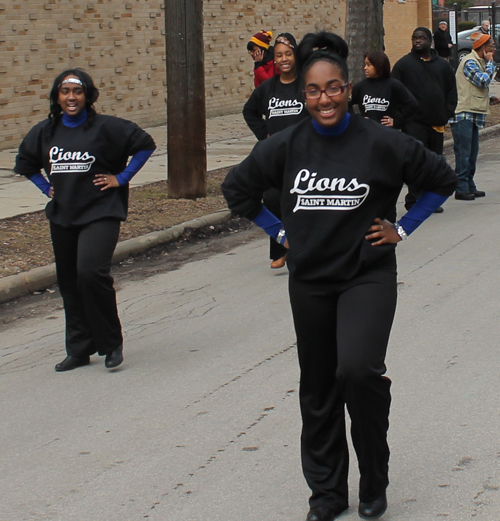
384,231
387,121
106,181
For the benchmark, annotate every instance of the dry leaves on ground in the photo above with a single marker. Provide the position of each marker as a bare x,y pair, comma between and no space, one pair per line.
25,239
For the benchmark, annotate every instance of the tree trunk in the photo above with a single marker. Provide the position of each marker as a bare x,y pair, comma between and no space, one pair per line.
364,32
186,120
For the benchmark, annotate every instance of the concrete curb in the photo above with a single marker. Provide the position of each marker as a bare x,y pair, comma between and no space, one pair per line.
38,279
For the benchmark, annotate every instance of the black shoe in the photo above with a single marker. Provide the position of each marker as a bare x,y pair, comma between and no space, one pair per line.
478,193
374,509
464,196
72,362
323,514
440,209
114,358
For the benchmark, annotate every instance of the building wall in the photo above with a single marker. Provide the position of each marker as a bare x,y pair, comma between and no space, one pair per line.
119,43
400,19
122,45
229,25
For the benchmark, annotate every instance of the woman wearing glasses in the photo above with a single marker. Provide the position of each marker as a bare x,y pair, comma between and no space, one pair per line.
340,175
273,106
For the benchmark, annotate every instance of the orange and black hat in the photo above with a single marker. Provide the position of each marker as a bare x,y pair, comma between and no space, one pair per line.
479,39
262,39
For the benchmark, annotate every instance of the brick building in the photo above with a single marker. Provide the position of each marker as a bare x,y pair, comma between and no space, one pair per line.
122,45
400,19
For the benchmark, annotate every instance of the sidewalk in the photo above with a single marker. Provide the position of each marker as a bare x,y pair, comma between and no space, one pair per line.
229,141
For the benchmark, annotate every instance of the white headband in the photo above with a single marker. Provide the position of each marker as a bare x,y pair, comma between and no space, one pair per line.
71,80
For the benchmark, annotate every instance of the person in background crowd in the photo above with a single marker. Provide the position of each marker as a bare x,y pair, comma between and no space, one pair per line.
259,48
339,175
431,80
485,27
85,158
274,105
474,75
442,40
380,97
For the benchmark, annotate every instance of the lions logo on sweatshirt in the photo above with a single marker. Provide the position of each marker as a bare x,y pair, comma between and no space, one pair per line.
69,162
340,193
287,107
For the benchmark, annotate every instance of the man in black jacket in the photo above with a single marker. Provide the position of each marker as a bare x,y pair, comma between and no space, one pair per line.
431,80
442,40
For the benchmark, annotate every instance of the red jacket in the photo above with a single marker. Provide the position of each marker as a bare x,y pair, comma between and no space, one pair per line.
265,69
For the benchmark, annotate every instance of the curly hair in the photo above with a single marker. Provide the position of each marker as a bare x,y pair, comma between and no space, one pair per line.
322,46
91,94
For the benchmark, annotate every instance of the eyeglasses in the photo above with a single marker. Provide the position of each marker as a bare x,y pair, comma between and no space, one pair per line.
331,92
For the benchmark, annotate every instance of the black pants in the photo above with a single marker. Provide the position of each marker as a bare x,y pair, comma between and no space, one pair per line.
342,335
272,200
432,140
83,261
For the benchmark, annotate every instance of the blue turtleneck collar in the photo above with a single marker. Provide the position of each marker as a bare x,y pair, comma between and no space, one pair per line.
333,131
75,121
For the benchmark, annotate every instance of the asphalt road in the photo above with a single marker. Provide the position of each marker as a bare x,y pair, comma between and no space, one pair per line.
201,423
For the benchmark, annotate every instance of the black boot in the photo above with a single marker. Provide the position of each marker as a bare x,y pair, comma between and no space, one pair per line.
114,358
72,362
373,509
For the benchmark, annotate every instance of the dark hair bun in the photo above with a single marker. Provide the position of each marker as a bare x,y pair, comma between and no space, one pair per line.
323,41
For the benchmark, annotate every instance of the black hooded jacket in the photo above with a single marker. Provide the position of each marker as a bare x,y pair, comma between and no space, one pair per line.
432,83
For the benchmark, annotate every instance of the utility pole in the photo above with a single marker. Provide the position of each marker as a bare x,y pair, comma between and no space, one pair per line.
364,33
186,115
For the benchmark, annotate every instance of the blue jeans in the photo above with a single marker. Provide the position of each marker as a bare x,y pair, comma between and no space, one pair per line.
466,147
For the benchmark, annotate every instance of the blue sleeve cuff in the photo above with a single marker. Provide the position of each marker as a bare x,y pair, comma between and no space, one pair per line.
268,222
136,163
424,207
42,183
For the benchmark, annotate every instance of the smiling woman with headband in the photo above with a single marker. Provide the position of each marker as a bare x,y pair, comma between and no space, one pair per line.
274,105
84,156
340,176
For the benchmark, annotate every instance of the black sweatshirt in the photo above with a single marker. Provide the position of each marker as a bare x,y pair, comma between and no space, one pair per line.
433,85
379,97
73,156
332,190
281,104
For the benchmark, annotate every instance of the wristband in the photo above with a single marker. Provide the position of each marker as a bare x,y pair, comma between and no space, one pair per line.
39,180
424,207
268,222
400,231
136,163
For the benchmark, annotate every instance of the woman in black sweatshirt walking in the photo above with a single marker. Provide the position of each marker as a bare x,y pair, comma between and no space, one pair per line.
84,156
340,176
